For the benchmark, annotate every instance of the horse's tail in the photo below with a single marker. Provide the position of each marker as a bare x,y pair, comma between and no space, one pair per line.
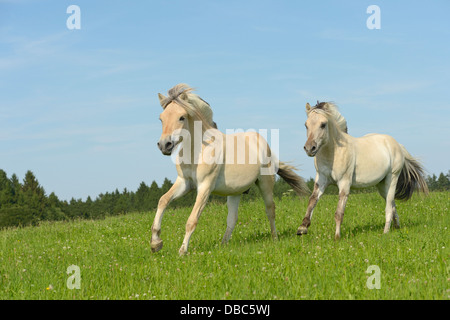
295,181
412,178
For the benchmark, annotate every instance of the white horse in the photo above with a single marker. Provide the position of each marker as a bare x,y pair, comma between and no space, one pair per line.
374,159
208,165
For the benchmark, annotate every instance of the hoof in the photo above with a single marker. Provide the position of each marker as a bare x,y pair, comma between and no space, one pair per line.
156,245
302,230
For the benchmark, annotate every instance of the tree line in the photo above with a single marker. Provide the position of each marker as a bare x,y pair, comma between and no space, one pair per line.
26,203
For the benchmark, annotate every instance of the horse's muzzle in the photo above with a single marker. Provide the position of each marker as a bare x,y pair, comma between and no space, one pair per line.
166,146
311,149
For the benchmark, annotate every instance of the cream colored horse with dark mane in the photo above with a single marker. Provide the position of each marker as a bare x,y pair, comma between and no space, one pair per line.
211,162
374,159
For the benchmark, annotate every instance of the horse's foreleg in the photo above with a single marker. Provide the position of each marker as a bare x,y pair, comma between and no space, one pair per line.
319,188
233,204
179,188
339,215
344,190
202,197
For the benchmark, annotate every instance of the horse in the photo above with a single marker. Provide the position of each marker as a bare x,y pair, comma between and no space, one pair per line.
372,160
209,162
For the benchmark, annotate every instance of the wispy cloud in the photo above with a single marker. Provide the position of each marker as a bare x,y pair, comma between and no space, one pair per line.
393,88
23,51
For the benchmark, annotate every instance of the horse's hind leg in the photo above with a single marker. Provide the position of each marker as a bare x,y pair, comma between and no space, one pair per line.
233,204
382,189
265,184
391,212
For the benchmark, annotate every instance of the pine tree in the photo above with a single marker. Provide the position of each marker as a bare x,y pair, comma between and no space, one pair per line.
6,190
17,187
167,184
53,200
443,182
141,195
154,193
122,202
34,195
54,210
3,179
30,183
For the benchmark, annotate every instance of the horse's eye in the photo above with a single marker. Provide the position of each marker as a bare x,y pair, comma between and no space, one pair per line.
323,125
182,118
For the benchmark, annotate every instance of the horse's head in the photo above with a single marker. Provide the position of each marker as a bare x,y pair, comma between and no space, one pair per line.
316,131
174,118
182,109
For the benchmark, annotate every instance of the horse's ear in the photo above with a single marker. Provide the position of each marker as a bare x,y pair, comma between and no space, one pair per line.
161,99
308,107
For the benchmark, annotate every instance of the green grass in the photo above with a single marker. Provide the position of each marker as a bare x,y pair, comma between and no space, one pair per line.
116,261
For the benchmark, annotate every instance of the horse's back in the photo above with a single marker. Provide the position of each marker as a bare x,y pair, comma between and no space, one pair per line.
381,143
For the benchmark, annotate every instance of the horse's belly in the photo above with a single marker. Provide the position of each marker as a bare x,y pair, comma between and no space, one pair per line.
367,180
236,179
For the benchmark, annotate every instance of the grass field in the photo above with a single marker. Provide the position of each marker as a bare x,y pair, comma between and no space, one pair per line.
116,261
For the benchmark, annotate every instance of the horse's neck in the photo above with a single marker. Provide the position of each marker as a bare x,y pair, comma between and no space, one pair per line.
333,148
199,140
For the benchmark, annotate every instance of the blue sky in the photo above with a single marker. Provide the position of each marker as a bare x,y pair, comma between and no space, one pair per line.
80,108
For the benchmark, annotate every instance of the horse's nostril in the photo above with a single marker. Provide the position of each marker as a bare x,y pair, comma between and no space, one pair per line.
304,147
169,145
313,148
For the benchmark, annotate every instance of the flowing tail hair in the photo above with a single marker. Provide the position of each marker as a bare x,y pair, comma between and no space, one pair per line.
412,178
295,181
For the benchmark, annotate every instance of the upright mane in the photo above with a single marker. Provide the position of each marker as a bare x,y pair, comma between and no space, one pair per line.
195,106
330,110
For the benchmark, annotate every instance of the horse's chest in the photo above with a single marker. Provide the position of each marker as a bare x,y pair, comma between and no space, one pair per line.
335,168
198,173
